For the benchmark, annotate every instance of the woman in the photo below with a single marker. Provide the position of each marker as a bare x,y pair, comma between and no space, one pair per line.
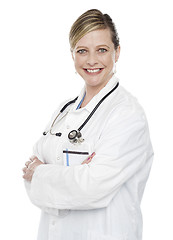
89,182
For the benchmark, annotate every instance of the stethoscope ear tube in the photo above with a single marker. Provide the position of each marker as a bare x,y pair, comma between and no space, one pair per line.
62,110
56,134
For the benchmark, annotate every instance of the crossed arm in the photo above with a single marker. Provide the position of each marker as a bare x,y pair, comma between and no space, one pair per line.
34,162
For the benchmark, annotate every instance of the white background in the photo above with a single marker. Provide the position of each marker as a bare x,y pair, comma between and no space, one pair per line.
37,73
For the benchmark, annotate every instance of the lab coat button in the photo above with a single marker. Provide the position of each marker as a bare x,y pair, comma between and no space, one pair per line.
68,127
58,158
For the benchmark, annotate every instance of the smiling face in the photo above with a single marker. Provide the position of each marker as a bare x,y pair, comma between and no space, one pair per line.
94,57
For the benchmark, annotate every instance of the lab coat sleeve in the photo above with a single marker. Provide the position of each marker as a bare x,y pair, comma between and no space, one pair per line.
121,151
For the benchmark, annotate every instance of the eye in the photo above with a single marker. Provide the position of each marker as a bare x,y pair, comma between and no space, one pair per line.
102,50
81,51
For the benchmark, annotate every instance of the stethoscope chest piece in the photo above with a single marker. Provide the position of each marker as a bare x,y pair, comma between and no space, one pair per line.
75,136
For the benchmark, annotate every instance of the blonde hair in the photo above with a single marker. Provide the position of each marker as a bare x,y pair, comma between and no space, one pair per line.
89,21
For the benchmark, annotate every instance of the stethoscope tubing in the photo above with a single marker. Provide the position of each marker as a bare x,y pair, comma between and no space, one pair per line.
77,133
96,107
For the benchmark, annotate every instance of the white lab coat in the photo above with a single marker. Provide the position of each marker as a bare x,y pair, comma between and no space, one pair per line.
100,200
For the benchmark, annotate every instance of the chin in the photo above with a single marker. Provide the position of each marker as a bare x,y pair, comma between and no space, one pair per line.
93,82
98,81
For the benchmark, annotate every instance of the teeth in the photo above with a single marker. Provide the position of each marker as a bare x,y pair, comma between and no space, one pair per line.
93,71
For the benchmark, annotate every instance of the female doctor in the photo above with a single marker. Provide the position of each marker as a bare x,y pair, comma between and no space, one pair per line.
90,167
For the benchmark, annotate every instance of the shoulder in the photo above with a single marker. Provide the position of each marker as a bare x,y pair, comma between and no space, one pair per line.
124,104
125,112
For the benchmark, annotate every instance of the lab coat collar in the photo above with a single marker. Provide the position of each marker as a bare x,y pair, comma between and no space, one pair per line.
90,106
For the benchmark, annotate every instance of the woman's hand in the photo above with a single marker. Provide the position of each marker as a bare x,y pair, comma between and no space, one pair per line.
34,162
30,167
89,158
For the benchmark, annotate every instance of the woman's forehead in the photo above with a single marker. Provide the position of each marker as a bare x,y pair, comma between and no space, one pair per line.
96,38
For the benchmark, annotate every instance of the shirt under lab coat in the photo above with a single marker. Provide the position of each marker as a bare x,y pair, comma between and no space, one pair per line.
100,200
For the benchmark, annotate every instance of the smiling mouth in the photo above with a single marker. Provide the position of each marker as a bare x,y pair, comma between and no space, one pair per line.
92,71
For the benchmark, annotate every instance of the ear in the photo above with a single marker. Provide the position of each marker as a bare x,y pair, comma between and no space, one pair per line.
117,53
72,53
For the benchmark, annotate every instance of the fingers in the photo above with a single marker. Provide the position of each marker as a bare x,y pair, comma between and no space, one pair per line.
27,163
88,160
29,171
29,168
91,156
32,158
24,170
28,175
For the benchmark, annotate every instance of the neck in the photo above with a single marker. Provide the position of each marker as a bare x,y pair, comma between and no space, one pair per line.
91,91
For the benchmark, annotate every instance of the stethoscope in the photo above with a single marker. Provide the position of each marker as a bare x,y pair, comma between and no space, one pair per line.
75,136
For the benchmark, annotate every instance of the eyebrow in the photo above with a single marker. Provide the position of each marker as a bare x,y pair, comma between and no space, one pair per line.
102,45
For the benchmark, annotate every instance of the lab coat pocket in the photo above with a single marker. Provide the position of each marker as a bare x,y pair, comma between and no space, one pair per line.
72,158
75,154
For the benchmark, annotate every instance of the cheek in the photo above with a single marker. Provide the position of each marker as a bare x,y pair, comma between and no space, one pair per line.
112,61
109,62
108,59
78,61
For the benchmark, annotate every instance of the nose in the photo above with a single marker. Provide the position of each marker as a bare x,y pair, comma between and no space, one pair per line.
92,59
